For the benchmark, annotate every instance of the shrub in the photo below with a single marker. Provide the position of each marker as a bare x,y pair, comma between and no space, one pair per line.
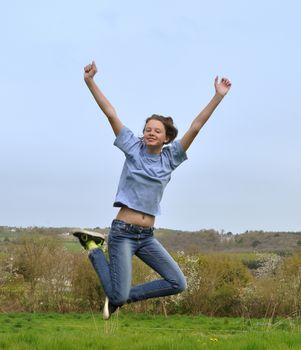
39,274
47,277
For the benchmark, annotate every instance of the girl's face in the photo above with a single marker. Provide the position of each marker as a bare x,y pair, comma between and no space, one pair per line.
154,135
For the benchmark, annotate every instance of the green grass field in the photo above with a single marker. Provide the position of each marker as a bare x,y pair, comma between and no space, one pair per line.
143,332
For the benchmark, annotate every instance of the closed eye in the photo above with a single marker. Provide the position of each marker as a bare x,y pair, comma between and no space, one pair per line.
158,131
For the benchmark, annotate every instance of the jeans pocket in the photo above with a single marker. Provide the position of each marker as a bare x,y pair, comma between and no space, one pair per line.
117,234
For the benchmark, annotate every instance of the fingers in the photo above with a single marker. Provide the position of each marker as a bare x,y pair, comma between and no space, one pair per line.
226,81
90,67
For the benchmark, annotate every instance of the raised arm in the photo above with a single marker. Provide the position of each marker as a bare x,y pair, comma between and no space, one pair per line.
102,101
221,89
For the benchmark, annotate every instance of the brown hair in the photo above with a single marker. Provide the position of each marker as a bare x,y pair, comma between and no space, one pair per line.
170,129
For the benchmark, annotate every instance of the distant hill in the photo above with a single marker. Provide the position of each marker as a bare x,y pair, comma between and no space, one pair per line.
213,241
189,242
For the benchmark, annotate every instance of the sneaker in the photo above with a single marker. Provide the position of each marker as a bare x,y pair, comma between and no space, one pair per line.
86,236
108,309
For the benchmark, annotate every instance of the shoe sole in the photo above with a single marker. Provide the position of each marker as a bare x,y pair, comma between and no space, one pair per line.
80,233
106,313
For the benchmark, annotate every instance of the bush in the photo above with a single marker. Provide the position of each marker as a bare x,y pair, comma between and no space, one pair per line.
214,283
39,274
47,277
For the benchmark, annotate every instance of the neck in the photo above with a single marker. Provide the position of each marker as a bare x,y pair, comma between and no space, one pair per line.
154,150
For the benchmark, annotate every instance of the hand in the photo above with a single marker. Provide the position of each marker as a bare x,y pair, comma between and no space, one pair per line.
222,87
90,71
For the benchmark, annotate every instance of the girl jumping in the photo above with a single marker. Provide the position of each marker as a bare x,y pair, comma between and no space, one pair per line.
147,170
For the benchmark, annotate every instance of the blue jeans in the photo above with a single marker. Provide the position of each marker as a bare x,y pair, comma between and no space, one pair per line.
124,241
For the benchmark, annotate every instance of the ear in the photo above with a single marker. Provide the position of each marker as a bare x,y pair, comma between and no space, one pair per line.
166,141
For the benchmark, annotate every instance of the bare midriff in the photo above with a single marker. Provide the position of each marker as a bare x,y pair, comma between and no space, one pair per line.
134,217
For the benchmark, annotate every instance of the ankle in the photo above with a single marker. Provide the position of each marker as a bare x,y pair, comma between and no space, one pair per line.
90,245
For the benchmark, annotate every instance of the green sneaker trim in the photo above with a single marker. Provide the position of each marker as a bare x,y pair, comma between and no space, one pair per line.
91,245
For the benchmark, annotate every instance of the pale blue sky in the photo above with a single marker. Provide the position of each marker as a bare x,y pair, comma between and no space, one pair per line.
58,163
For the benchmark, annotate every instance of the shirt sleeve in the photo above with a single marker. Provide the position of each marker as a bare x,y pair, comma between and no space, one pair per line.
177,154
127,142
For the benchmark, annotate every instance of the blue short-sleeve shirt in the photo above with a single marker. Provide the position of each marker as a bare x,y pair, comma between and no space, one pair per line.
144,176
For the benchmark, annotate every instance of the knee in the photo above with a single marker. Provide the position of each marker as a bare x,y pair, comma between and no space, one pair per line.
180,285
119,299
